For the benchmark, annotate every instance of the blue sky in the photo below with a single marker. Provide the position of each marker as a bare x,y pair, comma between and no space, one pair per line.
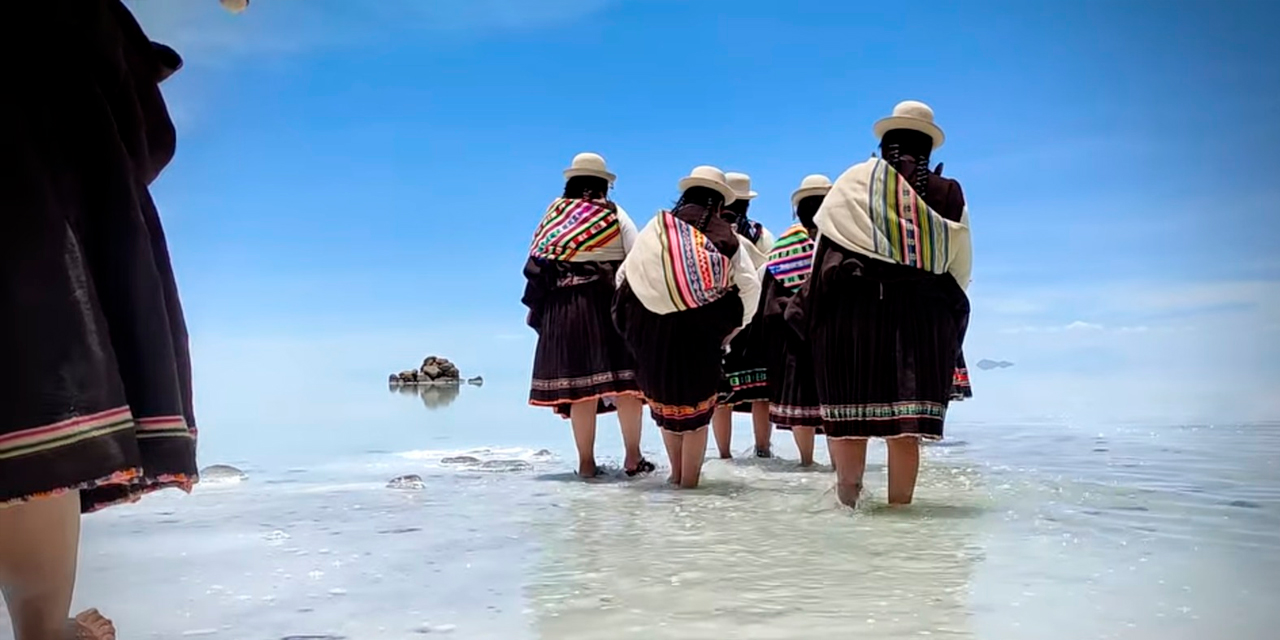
356,182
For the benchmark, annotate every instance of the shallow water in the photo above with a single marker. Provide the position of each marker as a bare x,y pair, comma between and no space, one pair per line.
1023,531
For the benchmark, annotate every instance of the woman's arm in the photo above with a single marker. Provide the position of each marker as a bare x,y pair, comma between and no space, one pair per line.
629,229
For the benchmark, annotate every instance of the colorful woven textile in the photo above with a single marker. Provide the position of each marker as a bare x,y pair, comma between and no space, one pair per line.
792,257
906,230
572,226
697,273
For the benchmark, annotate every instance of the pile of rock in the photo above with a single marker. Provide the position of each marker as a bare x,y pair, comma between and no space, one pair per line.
434,370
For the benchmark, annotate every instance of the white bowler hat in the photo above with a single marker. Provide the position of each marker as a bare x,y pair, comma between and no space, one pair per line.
913,115
589,164
741,185
812,185
711,178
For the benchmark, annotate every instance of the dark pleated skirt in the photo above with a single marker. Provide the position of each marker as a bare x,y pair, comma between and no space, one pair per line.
678,356
746,371
885,341
793,394
580,355
96,384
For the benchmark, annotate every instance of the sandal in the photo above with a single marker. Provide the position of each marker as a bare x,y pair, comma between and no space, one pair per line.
644,466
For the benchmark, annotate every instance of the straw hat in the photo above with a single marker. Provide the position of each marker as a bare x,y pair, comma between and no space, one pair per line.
235,6
741,184
711,178
812,185
589,164
916,116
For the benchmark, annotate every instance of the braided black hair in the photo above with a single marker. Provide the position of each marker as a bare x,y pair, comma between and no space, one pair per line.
900,143
586,187
708,198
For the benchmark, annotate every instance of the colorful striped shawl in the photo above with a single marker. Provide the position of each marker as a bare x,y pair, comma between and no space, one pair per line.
906,230
696,272
572,226
792,257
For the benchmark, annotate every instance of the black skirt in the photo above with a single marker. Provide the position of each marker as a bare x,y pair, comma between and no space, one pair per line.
793,393
678,356
96,383
885,340
580,354
746,372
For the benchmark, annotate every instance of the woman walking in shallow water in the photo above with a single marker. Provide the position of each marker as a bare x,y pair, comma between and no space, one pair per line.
746,385
885,308
793,394
95,394
685,289
581,367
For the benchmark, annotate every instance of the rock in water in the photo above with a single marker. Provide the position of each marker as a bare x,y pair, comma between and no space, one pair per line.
222,473
476,381
411,482
987,365
460,460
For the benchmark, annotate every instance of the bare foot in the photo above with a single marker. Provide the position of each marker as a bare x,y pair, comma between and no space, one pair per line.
849,494
91,625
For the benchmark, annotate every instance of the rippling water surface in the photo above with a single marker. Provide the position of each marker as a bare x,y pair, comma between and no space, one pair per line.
1021,531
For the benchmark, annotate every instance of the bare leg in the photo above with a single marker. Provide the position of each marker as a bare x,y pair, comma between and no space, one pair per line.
804,437
630,418
583,416
39,544
675,447
850,457
722,424
692,457
762,427
904,468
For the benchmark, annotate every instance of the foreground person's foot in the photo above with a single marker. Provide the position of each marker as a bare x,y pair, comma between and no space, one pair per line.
587,471
91,625
764,452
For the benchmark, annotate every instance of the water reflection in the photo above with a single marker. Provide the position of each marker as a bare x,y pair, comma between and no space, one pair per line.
762,551
436,396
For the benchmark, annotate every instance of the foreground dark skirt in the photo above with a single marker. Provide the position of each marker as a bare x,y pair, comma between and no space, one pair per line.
678,356
95,392
580,355
885,340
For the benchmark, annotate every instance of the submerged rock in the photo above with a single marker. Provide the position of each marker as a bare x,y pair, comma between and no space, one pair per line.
460,460
506,465
411,482
222,473
477,381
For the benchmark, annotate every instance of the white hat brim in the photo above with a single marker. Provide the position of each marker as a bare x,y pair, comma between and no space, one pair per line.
722,188
573,172
751,195
801,194
885,125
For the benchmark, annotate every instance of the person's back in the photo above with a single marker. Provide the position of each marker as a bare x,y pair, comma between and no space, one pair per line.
885,310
